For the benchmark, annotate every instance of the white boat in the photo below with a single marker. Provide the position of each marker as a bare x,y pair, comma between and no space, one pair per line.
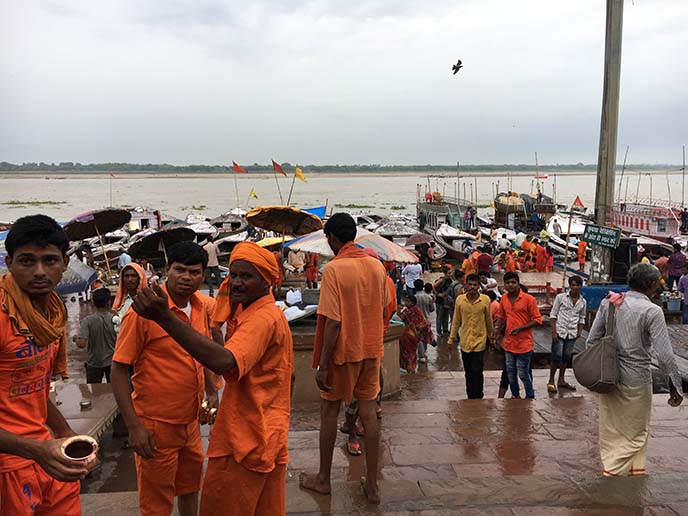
578,222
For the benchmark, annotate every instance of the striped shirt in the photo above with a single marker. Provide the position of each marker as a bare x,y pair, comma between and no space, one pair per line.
568,315
640,329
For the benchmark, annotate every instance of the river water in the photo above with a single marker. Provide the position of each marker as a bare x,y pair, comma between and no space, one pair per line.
62,197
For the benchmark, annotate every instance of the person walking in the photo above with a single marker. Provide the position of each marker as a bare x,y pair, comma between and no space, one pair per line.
472,320
674,266
97,334
581,253
411,272
640,334
348,349
518,314
212,271
443,302
567,319
426,303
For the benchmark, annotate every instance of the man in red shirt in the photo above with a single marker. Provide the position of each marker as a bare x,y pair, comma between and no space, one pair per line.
517,315
484,262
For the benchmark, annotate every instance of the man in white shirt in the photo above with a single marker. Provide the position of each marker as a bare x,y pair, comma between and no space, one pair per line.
567,318
411,273
212,271
503,244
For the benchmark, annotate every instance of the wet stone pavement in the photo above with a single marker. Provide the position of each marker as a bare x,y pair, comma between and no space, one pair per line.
442,454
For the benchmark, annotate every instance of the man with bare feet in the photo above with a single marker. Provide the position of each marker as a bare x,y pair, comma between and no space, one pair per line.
349,349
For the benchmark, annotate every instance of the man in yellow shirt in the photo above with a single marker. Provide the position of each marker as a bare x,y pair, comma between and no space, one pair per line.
473,317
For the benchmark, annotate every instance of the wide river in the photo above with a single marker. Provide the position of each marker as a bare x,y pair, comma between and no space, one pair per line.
62,197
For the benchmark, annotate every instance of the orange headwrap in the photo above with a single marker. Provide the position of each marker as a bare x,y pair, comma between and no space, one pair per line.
28,322
264,262
121,295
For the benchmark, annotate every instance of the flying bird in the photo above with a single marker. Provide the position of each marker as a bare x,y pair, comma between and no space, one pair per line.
457,66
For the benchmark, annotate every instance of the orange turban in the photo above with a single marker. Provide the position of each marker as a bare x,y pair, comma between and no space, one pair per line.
265,263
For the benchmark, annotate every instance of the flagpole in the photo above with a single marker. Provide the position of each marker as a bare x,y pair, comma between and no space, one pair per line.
110,189
236,187
293,180
278,186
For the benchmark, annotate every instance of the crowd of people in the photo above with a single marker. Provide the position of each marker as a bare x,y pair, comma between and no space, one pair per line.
170,349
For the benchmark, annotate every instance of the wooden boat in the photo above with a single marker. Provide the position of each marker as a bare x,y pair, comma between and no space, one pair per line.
452,239
514,211
229,224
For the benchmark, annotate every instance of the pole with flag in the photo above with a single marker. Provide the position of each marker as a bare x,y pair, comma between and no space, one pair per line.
237,170
297,173
251,195
276,167
111,176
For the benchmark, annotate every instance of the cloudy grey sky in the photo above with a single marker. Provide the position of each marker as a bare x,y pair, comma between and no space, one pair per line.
335,81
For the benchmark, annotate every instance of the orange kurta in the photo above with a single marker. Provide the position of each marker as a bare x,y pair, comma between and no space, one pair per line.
541,258
510,263
354,291
582,247
521,312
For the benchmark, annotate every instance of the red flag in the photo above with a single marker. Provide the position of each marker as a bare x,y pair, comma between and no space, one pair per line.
237,168
578,203
278,168
112,175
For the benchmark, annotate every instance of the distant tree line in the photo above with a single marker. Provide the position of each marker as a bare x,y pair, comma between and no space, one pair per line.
164,168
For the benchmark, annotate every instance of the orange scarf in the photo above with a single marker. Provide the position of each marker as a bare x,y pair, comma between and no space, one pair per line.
31,324
122,293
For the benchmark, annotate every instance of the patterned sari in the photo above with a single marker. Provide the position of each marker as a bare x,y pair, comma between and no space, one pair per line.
417,330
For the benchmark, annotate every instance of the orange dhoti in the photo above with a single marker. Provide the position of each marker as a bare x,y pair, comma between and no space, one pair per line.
175,470
354,379
312,274
229,489
30,491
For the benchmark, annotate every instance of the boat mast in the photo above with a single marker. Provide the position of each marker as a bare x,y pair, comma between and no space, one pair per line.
623,169
683,178
458,186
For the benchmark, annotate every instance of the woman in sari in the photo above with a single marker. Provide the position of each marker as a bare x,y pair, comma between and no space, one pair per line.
417,330
640,332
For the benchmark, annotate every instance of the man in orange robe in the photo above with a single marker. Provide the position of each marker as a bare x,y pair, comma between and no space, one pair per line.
35,478
312,270
582,249
162,414
247,456
541,257
349,348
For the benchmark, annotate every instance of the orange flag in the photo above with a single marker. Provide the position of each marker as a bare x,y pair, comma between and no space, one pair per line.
237,168
278,168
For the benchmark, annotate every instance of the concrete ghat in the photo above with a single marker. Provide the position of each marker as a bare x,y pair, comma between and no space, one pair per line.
445,455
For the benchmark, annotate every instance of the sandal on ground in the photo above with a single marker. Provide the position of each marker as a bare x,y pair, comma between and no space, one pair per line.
346,430
354,448
567,385
551,387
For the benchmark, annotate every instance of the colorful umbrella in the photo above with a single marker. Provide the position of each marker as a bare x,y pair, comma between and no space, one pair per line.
96,223
316,242
285,220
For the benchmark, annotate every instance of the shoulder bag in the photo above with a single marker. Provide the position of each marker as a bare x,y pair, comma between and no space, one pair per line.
597,368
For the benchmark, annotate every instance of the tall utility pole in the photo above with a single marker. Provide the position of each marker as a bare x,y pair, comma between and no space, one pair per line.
604,193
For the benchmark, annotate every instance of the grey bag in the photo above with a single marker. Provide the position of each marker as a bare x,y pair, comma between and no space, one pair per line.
597,368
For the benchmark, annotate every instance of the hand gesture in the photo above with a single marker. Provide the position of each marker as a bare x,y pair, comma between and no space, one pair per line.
142,441
49,457
321,380
151,303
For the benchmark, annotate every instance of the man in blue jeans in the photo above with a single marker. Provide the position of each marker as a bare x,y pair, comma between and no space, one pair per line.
517,315
567,319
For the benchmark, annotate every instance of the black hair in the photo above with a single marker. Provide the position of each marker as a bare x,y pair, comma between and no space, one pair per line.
342,226
458,274
575,279
511,275
482,273
473,277
187,253
491,294
39,230
677,247
101,297
412,298
427,288
418,284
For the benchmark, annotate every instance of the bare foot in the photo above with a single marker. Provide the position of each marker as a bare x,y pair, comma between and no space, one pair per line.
313,483
370,490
